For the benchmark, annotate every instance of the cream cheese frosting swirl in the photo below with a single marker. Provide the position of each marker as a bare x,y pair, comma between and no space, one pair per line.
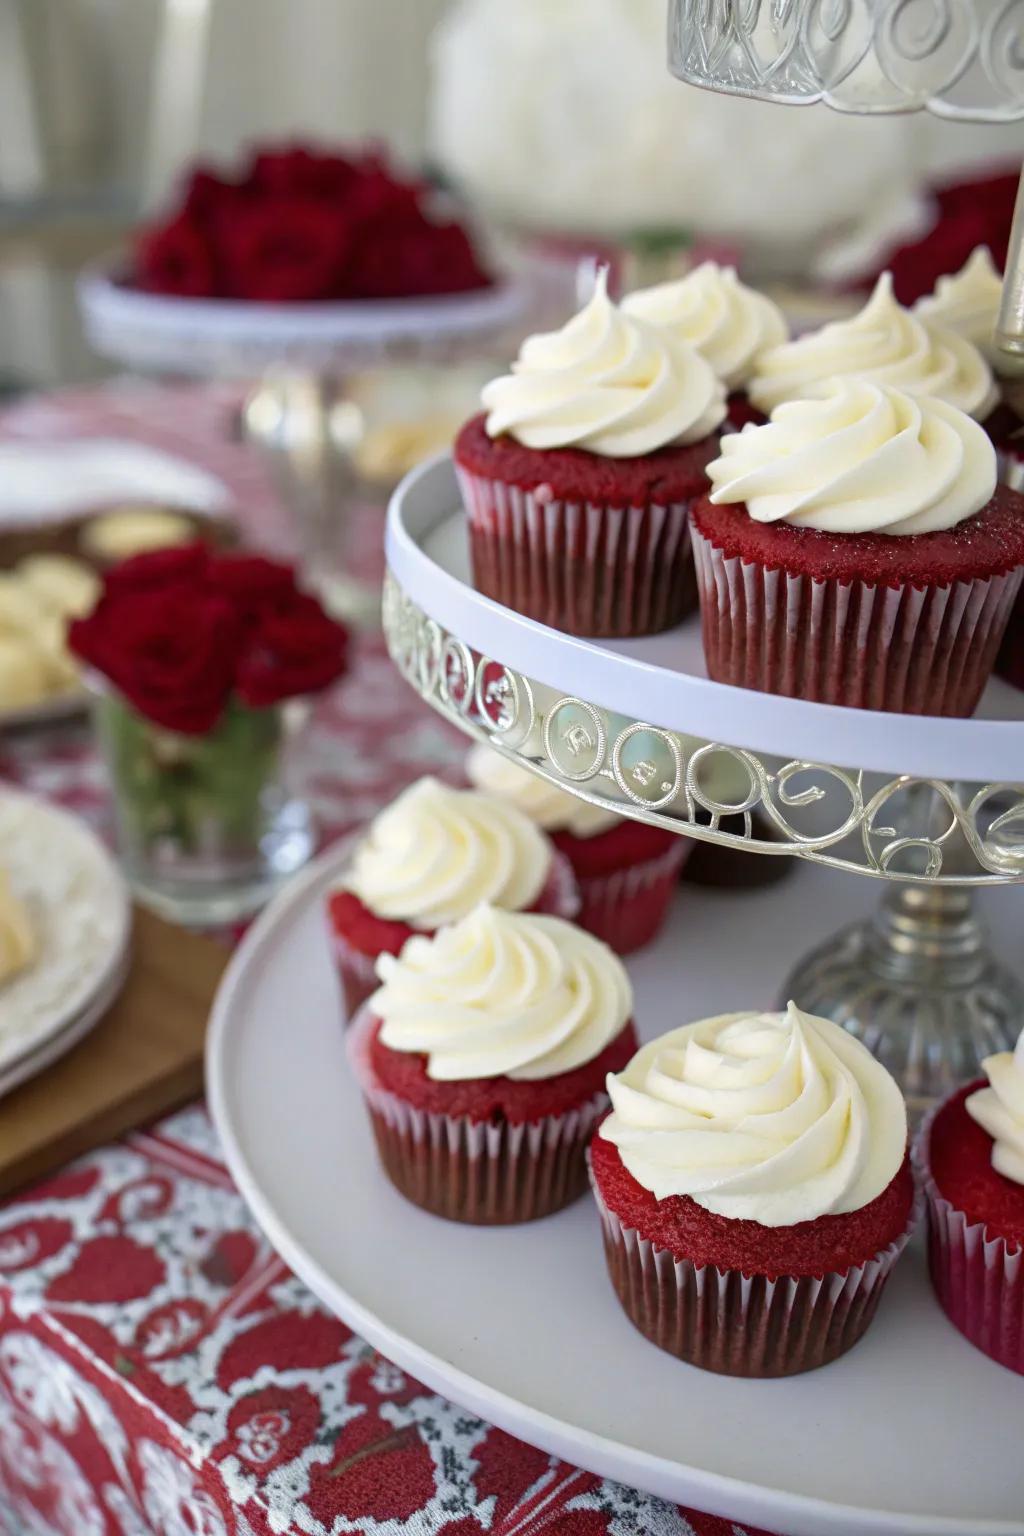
502,994
729,323
884,343
864,458
770,1117
999,1110
552,808
608,383
435,853
968,302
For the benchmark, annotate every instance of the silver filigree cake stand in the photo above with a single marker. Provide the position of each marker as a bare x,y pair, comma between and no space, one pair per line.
931,806
301,414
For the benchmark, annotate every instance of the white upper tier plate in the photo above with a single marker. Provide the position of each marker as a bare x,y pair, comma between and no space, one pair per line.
232,337
662,679
914,1433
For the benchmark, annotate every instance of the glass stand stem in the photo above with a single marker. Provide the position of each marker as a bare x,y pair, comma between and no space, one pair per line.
309,429
918,984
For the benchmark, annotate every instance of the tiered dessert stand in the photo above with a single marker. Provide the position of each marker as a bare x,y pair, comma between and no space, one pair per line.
301,414
933,807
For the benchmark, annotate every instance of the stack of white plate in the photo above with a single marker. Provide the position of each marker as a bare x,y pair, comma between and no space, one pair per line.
80,914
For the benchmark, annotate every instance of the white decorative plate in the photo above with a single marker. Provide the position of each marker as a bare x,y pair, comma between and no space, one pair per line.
912,1434
79,907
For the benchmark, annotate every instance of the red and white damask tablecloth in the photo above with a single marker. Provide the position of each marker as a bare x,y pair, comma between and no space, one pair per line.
161,1372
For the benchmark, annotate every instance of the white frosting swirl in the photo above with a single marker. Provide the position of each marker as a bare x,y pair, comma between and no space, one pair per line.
729,323
770,1117
607,383
19,944
432,855
999,1110
552,808
865,457
503,995
884,343
968,302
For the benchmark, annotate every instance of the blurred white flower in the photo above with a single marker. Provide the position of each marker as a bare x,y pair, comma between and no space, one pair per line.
561,114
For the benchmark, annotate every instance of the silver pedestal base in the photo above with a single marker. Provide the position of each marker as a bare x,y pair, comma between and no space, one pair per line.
919,986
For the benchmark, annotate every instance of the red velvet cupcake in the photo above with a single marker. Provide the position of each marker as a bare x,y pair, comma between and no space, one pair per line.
626,871
482,1060
857,551
578,479
970,1158
1010,660
428,859
755,1191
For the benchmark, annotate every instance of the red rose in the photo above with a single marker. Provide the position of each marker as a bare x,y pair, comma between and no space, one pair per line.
170,651
251,583
301,172
284,250
183,565
294,649
176,258
207,195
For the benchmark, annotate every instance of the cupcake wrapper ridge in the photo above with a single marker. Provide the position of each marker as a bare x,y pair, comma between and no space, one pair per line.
978,1279
906,649
580,567
736,1324
626,909
474,1171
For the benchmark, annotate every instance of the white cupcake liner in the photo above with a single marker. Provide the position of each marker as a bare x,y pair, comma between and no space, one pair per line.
743,1325
485,1173
908,649
582,567
627,907
978,1279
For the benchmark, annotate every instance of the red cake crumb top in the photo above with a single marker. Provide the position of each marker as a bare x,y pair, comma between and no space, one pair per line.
359,927
574,474
622,846
828,1245
988,544
498,1098
960,1154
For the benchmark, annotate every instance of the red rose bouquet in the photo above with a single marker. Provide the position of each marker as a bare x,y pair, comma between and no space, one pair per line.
298,225
194,656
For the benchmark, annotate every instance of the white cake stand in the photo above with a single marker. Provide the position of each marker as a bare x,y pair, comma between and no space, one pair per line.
301,414
932,806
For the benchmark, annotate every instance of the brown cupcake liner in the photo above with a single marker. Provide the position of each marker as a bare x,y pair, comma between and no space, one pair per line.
978,1279
906,649
736,1324
484,1173
581,567
559,897
627,908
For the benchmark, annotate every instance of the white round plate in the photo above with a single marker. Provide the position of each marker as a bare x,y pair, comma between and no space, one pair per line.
912,1434
231,337
662,678
33,1062
97,902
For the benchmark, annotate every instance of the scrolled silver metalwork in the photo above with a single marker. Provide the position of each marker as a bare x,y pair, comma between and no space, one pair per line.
923,831
955,58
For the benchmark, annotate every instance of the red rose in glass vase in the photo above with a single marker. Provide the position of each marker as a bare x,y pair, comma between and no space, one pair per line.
180,632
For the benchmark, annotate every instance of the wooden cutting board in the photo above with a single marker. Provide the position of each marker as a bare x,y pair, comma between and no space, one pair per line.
143,1059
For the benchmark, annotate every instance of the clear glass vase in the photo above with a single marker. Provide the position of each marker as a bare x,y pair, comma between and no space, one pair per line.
207,826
